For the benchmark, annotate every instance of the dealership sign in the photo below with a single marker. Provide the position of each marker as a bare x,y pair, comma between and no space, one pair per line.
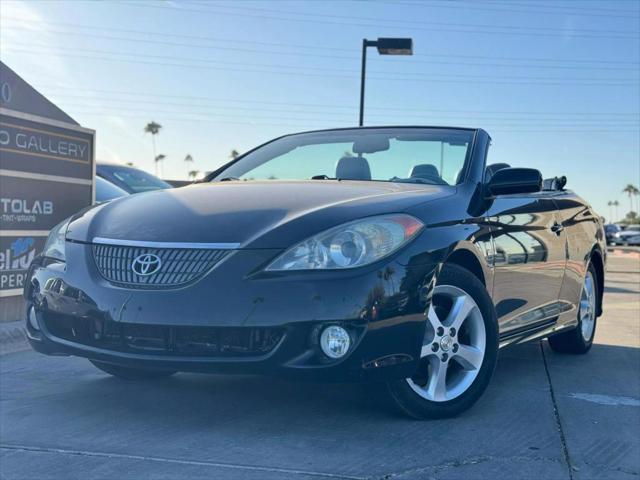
17,211
31,146
46,174
31,141
35,204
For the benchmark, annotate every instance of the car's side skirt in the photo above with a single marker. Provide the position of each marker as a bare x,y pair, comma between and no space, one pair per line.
541,329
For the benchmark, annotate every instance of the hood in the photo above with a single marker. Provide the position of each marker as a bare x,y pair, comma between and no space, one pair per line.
269,214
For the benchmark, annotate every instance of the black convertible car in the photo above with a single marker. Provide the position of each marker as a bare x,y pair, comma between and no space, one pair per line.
393,255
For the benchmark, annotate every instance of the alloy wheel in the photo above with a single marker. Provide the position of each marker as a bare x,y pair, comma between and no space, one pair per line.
453,348
587,312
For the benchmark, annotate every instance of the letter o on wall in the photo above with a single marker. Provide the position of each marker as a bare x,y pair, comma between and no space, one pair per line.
5,92
4,137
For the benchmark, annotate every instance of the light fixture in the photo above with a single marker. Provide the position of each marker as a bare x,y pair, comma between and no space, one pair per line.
385,46
335,341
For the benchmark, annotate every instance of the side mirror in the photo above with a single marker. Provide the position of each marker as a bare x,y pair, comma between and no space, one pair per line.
509,181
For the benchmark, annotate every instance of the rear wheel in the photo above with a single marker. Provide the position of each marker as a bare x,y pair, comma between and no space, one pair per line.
459,349
580,339
128,373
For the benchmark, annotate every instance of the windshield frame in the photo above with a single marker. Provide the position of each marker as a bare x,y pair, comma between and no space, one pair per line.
464,174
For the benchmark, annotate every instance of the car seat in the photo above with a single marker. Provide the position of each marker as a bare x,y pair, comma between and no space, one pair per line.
353,168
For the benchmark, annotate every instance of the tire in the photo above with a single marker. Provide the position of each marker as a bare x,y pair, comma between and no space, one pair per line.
127,373
471,352
578,340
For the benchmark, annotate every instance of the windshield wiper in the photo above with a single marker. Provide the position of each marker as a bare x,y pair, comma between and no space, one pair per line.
421,181
323,177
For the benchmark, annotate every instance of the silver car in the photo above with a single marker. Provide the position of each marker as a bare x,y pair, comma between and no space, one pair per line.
629,236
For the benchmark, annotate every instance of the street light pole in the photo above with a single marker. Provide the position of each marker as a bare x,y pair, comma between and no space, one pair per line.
365,44
386,46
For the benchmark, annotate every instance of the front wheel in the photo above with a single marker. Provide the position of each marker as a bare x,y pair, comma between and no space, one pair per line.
459,351
128,373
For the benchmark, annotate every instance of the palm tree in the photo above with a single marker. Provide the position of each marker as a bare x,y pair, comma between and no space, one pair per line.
158,159
193,174
153,128
632,191
188,159
610,204
234,154
616,204
129,164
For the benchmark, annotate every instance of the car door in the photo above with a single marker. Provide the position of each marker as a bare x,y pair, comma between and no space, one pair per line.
529,261
581,227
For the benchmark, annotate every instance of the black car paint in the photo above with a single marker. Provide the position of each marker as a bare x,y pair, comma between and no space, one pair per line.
231,212
530,250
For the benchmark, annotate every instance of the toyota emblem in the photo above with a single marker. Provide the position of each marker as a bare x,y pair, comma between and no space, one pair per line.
146,264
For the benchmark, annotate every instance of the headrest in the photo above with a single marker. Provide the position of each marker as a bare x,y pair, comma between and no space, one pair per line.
493,168
555,183
353,168
424,170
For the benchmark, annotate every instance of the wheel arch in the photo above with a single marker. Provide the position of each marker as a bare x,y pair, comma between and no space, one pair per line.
467,258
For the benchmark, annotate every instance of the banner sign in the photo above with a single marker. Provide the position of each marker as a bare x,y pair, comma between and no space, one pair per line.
16,254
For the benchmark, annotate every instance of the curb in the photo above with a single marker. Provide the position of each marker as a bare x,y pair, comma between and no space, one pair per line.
12,337
624,252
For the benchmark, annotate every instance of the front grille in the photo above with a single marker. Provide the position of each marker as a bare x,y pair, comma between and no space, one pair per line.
164,340
179,266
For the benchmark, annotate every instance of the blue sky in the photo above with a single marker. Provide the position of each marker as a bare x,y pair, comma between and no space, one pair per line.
556,83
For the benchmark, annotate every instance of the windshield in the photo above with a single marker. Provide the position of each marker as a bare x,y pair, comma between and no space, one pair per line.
413,155
138,180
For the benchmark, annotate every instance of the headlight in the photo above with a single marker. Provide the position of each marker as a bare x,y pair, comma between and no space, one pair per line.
54,248
350,245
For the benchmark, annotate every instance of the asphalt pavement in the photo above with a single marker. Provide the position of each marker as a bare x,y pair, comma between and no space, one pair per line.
545,415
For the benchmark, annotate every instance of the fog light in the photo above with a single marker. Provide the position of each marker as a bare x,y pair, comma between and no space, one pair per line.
335,341
33,320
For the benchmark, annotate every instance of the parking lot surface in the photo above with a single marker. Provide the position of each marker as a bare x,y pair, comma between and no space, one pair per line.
545,415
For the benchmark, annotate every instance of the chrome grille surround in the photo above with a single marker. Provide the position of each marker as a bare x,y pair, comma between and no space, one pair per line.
181,264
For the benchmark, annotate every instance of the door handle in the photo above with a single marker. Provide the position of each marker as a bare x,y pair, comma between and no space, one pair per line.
557,228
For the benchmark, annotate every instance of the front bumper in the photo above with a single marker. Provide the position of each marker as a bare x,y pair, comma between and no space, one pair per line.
228,323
